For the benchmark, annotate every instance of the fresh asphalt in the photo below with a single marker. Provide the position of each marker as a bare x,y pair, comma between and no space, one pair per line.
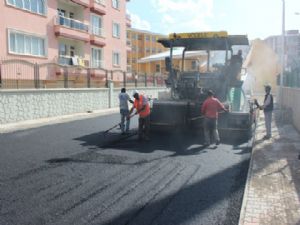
72,173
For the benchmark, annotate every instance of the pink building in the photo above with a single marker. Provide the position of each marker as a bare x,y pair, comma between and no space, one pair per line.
89,32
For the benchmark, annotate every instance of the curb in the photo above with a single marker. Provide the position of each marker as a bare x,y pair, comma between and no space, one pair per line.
248,180
27,124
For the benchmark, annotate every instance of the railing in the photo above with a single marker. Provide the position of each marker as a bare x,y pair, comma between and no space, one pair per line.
97,31
290,79
71,23
21,74
101,2
97,64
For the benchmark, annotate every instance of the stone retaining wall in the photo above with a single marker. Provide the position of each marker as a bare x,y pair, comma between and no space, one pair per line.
21,105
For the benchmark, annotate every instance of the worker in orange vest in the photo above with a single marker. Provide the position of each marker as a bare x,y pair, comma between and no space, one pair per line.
142,107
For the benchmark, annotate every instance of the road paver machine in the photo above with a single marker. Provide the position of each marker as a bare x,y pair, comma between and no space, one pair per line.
188,88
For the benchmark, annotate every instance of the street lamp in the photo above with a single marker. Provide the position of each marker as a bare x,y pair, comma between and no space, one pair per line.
282,54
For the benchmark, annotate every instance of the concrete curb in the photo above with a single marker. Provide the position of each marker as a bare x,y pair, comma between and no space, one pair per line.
23,125
248,180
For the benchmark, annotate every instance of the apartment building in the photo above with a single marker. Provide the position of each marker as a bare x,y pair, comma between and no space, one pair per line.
68,32
292,47
140,44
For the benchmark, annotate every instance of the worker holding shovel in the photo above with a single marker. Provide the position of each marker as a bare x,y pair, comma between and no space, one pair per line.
142,107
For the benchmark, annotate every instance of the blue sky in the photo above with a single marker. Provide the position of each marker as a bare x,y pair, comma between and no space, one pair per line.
256,18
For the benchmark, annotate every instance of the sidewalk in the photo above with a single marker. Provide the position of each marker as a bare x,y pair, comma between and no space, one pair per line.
272,190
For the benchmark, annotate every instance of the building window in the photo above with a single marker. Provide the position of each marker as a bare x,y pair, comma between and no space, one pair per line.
153,39
116,4
116,30
116,59
96,58
96,25
62,51
153,50
194,65
35,6
140,37
147,38
157,68
26,44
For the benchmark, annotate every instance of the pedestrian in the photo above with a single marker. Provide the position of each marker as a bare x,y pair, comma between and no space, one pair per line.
210,110
142,107
268,110
124,110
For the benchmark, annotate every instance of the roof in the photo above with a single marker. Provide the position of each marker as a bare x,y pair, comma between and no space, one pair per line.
214,43
177,53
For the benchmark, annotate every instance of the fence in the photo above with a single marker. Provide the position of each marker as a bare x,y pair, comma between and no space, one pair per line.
290,79
22,74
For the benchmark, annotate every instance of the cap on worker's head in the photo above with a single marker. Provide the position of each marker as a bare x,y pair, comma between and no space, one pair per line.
268,86
135,92
210,93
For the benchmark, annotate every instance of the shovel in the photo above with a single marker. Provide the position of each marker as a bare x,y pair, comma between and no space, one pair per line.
119,124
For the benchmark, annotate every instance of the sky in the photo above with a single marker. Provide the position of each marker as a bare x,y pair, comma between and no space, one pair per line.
255,18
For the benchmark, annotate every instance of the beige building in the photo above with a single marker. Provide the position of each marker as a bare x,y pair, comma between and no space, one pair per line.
143,43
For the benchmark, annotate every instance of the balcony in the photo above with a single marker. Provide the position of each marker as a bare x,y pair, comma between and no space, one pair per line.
128,20
97,36
128,45
71,28
98,6
97,64
67,60
84,3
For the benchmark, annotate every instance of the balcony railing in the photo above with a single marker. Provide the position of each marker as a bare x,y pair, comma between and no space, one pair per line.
97,31
97,64
71,23
67,60
101,2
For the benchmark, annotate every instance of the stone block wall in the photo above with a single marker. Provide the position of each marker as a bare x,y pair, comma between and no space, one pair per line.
21,105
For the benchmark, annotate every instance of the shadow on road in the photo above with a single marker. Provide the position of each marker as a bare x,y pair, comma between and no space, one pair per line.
177,142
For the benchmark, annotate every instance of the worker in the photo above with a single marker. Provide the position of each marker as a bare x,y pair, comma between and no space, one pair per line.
237,59
210,109
124,110
268,109
142,107
236,63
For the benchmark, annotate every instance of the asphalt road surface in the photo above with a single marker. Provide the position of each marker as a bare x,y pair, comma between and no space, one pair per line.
72,173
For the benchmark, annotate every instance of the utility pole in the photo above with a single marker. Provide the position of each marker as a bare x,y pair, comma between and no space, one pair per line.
282,55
